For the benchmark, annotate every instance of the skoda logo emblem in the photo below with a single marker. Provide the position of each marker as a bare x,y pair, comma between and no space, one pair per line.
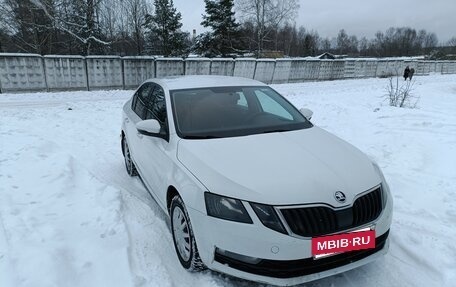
340,196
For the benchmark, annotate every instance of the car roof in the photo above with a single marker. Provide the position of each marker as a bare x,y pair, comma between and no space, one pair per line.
196,81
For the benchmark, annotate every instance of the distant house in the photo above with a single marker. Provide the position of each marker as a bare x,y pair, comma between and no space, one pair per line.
326,56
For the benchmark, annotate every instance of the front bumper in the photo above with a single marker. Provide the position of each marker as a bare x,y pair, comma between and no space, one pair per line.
285,260
297,268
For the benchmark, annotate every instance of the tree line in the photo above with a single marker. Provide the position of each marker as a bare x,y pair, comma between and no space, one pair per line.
259,28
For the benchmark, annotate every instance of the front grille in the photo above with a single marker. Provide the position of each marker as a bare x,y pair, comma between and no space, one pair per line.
301,267
321,220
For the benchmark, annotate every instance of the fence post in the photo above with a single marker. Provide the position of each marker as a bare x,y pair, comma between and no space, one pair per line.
1,91
122,67
86,73
254,70
155,67
45,74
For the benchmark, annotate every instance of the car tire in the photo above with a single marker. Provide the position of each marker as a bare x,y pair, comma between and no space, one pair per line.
183,237
129,164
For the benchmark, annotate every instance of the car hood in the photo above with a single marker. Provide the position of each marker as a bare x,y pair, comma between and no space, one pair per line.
295,167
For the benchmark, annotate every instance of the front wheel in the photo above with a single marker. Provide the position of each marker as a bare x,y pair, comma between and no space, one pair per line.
129,164
183,238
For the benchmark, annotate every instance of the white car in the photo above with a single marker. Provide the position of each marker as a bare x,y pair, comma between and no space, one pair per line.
253,189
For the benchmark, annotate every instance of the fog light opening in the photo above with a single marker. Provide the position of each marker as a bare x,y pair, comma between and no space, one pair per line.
239,257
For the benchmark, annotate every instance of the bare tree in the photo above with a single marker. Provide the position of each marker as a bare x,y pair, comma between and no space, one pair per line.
399,93
346,44
311,40
325,45
267,14
452,44
137,11
343,42
26,21
122,23
286,38
77,18
363,46
120,27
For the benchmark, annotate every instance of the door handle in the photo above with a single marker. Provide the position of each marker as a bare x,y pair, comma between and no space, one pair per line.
139,135
127,120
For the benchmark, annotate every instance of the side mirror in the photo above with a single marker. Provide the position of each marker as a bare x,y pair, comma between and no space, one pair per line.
149,127
306,113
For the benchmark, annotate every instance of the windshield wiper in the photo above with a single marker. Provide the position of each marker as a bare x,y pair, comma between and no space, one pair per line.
202,137
276,131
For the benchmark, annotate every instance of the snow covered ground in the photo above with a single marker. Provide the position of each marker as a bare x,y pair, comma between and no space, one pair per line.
70,215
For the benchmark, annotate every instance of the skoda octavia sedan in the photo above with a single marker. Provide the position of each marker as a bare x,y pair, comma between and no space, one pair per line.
253,189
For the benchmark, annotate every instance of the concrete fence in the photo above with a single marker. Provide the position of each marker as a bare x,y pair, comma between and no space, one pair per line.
30,72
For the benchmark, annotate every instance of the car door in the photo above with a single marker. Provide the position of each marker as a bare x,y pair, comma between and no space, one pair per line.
139,102
154,162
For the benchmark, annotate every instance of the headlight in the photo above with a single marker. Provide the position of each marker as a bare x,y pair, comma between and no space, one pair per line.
226,208
268,217
385,186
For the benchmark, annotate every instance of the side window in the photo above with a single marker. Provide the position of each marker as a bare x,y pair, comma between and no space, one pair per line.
141,99
134,100
156,109
269,105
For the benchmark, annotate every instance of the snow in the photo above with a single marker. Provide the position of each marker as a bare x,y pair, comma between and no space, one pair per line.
19,55
71,216
65,56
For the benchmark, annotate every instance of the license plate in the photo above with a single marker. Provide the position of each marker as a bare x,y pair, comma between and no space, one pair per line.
338,243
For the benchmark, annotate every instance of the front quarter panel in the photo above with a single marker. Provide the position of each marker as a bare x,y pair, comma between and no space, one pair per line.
189,187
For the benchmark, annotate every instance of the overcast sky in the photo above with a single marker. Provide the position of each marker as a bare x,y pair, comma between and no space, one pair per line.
358,17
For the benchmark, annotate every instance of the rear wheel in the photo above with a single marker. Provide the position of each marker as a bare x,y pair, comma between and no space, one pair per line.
183,238
129,164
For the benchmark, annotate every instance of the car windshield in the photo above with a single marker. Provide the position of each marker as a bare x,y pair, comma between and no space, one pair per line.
233,111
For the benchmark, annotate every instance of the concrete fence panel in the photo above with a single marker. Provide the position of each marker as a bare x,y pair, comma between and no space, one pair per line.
312,70
371,68
222,66
244,67
446,67
400,65
104,72
367,68
168,67
197,66
264,70
396,67
297,71
452,69
433,66
281,71
382,69
137,69
427,67
349,68
360,68
31,72
325,69
338,70
22,72
439,67
421,68
65,72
